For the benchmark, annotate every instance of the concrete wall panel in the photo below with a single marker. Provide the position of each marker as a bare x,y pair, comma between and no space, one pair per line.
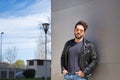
103,19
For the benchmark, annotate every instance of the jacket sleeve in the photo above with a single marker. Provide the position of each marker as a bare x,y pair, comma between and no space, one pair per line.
94,60
63,58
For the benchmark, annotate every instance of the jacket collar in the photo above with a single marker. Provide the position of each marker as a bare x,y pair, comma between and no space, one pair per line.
85,42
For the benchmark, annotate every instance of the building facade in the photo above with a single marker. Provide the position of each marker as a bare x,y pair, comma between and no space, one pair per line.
6,73
39,66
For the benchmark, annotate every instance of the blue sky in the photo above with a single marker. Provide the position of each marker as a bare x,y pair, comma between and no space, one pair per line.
20,21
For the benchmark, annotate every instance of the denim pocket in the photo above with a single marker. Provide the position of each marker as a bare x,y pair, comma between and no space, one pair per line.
66,76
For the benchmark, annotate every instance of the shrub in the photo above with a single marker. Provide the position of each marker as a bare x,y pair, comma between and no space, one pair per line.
29,73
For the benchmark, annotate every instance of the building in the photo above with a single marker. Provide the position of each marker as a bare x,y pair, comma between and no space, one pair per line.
6,73
39,66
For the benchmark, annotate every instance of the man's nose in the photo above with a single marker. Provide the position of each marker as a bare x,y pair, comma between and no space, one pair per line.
79,31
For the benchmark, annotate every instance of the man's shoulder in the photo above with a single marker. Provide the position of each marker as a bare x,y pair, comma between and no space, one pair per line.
88,42
69,42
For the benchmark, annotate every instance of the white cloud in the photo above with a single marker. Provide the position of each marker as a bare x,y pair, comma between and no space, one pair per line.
23,31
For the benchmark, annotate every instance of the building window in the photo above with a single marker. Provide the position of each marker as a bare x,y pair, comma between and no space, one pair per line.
39,62
31,63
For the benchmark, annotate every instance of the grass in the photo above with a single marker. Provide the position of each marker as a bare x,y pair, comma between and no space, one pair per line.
26,79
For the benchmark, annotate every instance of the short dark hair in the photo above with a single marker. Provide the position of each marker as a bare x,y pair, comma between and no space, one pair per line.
83,24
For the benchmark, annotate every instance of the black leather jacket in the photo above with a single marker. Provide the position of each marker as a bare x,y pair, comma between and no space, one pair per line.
87,59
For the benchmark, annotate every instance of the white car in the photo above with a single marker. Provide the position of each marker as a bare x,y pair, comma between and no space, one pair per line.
19,75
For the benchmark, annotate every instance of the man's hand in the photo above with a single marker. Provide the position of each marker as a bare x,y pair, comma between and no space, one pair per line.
65,72
80,73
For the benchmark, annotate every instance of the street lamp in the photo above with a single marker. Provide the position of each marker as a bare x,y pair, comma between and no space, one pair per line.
1,47
45,26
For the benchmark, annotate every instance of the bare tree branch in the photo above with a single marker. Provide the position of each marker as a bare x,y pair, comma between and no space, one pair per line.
40,51
10,54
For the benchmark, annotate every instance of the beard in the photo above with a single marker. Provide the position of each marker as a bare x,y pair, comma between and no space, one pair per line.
78,36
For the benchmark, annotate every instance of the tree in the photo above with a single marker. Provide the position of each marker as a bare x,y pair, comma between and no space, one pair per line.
39,52
10,54
4,65
19,64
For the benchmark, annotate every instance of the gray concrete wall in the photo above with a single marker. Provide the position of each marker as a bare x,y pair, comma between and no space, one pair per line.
103,19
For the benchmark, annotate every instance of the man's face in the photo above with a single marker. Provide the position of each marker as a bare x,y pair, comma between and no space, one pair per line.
79,32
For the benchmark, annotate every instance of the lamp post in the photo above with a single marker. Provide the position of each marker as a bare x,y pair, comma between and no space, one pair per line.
45,26
1,47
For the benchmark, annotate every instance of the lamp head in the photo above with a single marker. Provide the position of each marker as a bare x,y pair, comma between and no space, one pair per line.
45,26
2,32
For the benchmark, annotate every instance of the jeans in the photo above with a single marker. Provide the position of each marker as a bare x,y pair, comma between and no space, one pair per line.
73,77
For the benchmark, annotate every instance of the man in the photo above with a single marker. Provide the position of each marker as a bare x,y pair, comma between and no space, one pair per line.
79,57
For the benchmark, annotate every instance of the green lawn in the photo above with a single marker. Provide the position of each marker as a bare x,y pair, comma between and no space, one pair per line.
26,79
